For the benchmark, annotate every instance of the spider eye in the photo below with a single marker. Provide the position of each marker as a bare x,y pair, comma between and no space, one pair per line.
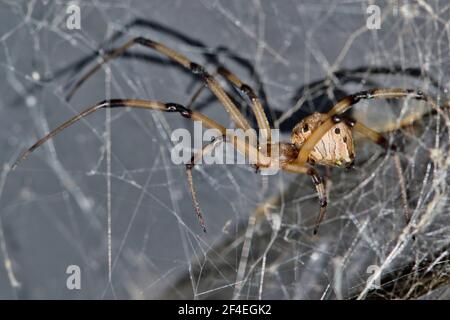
305,128
337,131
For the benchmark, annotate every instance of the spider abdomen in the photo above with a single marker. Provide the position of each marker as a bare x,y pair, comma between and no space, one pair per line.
335,148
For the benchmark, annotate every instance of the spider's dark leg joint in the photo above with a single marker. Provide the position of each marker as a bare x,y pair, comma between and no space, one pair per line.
315,177
145,42
351,165
104,103
112,103
201,71
198,69
350,122
243,87
224,71
369,94
175,107
317,180
247,90
355,98
190,165
383,142
336,119
416,94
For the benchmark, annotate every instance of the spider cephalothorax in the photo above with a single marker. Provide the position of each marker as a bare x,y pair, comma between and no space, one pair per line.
324,139
335,148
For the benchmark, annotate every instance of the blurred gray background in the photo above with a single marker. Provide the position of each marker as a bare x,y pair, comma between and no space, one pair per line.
56,207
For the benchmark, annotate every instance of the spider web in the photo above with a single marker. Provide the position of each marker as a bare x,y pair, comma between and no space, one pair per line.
105,196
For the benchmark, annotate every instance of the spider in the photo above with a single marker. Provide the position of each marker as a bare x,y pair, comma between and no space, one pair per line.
319,139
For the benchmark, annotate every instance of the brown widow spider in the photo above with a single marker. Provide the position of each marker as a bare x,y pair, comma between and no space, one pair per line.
319,139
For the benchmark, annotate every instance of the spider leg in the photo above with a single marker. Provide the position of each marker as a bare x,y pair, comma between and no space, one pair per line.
318,182
315,91
257,108
247,149
385,93
196,94
195,68
379,139
346,103
254,155
196,158
371,134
